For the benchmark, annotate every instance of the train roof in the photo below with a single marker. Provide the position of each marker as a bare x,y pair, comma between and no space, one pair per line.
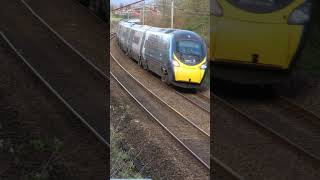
164,31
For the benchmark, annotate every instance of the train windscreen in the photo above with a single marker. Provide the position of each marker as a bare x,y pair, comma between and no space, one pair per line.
260,6
190,52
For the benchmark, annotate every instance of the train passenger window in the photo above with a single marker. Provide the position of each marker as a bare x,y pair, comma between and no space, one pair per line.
260,6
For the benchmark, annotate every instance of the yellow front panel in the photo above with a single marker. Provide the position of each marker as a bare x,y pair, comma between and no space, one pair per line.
185,72
238,36
295,33
239,41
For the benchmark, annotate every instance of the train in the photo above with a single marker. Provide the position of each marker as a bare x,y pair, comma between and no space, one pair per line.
257,41
178,56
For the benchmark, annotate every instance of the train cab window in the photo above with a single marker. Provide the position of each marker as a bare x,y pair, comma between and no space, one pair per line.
260,6
190,52
189,47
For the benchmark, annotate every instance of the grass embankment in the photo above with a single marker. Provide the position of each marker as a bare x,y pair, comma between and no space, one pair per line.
122,165
114,20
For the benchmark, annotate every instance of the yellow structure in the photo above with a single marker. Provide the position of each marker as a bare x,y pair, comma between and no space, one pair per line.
258,33
186,73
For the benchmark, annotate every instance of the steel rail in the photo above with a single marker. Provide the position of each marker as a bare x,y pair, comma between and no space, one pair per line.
203,97
157,97
52,90
159,121
89,62
268,129
301,108
192,101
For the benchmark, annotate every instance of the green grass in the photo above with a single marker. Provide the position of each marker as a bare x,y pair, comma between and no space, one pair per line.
117,19
121,162
207,79
200,25
122,166
113,21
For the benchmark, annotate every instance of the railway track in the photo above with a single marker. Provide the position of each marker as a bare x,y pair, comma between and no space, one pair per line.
184,101
177,125
189,136
196,100
205,98
226,171
315,119
30,111
255,151
63,69
295,131
290,122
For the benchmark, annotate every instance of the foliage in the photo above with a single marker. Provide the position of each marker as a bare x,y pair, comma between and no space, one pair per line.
188,14
121,161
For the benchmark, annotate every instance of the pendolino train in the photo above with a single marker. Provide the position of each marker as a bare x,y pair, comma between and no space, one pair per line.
178,56
257,41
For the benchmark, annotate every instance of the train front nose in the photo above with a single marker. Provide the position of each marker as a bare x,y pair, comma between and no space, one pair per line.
189,59
189,74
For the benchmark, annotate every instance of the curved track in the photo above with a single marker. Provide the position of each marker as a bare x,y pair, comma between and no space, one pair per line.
197,100
191,137
70,87
176,124
290,125
290,122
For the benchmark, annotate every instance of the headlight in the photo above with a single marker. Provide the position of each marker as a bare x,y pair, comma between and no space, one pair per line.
301,14
203,66
175,63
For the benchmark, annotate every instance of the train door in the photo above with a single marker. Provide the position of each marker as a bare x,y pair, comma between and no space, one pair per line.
130,41
143,44
257,32
119,33
125,38
164,56
122,32
136,44
160,54
152,52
